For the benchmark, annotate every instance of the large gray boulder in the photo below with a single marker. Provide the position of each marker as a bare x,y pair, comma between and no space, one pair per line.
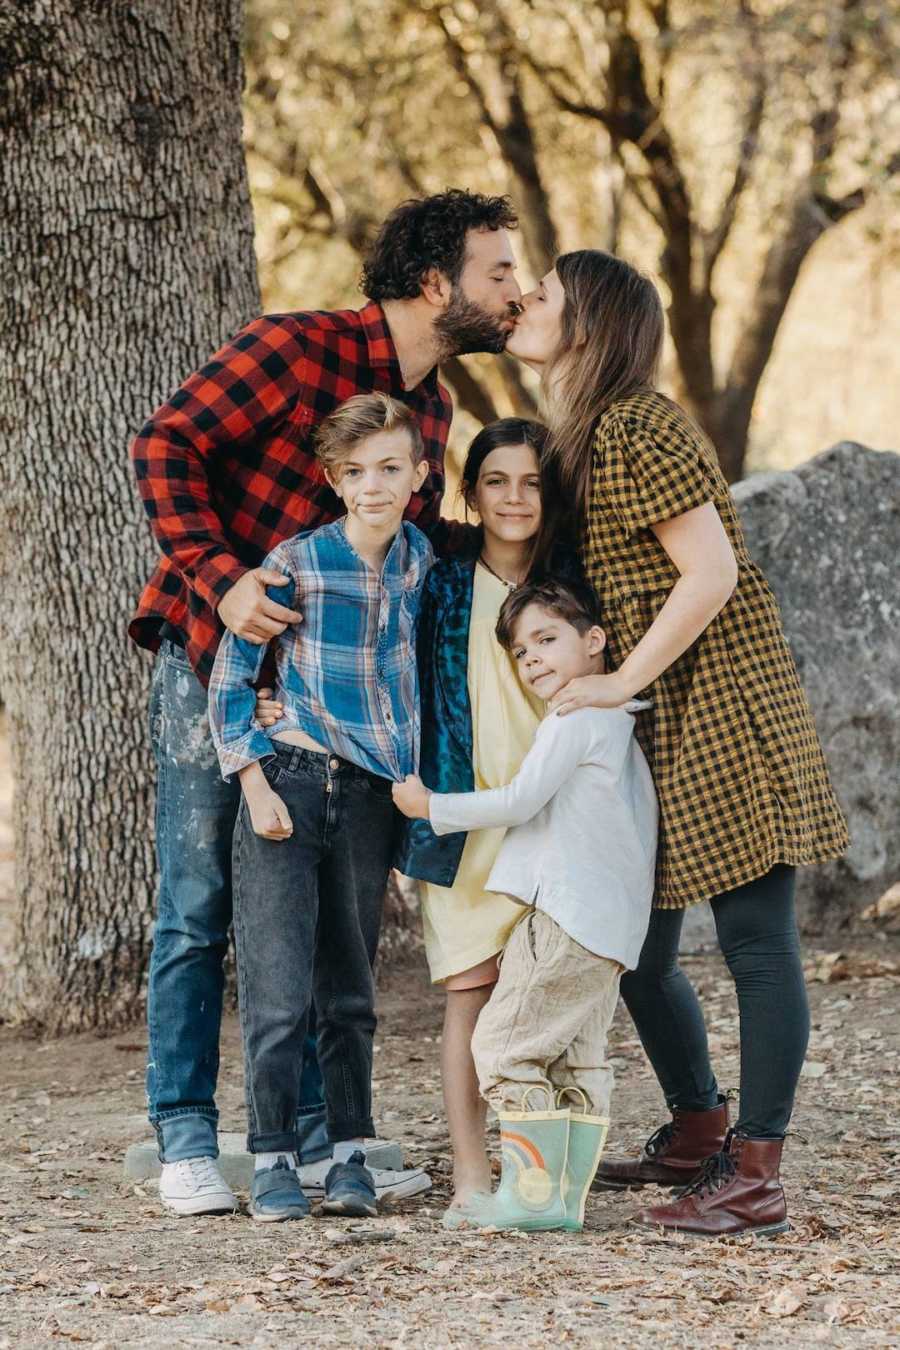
827,537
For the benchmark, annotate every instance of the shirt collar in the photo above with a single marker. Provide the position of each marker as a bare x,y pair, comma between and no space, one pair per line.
383,353
395,559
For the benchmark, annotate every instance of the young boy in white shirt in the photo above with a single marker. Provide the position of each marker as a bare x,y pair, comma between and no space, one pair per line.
581,849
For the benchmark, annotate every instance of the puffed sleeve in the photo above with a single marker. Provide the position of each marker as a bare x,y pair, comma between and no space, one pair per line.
653,473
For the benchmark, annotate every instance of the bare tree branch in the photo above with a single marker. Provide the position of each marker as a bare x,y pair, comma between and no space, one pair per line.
521,397
507,118
637,184
470,392
715,239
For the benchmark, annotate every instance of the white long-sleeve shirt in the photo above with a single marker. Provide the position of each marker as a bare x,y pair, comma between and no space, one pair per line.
582,817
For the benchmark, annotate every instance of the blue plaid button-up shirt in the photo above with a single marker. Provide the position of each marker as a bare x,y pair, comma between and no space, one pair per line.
347,675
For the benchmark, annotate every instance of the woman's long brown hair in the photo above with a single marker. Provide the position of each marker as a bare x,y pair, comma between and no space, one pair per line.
612,333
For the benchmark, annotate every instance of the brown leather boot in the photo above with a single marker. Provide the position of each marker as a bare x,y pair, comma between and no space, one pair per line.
738,1191
673,1155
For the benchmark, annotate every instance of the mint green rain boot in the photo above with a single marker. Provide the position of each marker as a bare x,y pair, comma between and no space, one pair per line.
534,1147
587,1136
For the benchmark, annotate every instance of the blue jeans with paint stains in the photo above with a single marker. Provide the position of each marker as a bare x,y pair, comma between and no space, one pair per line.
195,817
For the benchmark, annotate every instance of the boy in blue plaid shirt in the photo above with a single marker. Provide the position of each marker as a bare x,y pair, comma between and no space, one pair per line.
315,831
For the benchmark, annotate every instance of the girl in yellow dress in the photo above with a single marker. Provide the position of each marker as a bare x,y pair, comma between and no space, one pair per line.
477,726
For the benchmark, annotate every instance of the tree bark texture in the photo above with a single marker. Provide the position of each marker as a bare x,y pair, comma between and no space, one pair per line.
128,259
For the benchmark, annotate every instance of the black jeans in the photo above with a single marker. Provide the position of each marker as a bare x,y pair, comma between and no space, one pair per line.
757,931
307,913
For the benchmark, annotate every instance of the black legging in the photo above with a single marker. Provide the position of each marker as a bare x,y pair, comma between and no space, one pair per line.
757,931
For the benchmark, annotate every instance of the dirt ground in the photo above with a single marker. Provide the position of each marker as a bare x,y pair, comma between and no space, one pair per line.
88,1257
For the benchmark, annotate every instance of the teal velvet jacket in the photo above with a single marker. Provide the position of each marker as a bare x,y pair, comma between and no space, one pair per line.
445,763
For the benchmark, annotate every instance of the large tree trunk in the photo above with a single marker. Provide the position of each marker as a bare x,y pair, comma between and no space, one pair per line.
129,257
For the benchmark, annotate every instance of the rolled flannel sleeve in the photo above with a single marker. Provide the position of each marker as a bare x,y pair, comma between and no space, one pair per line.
232,700
232,695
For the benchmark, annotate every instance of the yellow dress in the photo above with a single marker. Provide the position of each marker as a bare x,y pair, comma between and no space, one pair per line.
464,924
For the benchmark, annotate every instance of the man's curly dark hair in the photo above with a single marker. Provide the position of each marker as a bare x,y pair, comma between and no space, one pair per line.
429,232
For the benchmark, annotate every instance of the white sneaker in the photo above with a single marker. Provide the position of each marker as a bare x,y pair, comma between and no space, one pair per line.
195,1186
389,1184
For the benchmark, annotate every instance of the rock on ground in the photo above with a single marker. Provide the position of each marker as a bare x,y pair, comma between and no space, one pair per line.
827,536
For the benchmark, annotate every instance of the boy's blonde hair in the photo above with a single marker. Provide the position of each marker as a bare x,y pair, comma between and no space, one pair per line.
338,435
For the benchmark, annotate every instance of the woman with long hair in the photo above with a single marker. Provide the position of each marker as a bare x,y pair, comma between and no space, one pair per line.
743,788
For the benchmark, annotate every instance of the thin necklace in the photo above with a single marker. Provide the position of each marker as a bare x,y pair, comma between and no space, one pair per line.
511,585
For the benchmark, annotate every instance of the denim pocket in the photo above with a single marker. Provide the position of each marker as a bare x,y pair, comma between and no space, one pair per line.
273,770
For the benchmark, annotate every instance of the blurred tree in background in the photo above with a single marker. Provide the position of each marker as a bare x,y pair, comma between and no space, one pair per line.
714,145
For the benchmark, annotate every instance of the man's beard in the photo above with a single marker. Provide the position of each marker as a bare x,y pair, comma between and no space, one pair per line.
466,327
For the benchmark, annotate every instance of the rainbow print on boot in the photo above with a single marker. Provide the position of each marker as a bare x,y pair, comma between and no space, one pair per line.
533,1183
531,1194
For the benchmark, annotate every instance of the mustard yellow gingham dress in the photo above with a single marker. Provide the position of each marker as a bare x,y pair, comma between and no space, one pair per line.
738,767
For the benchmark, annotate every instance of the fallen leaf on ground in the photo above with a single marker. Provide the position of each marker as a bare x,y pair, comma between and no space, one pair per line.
786,1302
834,966
836,1310
885,905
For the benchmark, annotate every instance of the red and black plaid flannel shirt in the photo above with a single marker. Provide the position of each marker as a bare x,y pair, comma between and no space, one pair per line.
226,468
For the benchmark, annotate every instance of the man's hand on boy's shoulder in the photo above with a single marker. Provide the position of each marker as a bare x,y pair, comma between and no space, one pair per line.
249,613
411,797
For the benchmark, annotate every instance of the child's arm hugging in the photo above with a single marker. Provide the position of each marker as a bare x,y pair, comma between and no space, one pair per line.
558,749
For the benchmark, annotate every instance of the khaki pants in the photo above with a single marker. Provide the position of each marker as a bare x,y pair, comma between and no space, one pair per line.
547,1020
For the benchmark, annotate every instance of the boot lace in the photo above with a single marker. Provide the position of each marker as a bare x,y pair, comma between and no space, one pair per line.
715,1172
660,1139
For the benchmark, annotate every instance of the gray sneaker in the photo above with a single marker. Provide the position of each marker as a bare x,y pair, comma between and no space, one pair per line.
349,1189
276,1194
390,1184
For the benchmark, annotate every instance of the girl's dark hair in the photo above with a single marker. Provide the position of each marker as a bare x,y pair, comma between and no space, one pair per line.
506,431
610,346
573,601
429,232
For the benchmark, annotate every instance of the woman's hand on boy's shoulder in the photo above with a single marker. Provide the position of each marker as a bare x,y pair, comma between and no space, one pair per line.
411,797
591,691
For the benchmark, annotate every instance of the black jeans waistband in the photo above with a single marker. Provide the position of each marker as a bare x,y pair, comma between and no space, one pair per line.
294,757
